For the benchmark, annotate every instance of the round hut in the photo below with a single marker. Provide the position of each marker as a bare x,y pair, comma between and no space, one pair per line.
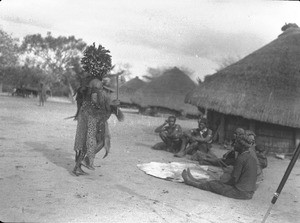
128,89
260,92
166,93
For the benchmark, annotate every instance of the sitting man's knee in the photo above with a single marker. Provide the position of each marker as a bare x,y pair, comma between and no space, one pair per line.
163,134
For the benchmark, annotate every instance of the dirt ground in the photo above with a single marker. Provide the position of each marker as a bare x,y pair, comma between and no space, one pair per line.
37,157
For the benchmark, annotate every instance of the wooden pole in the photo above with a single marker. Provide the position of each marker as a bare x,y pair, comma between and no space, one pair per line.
117,77
283,181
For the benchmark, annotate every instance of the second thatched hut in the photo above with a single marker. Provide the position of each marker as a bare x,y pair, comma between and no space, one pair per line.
167,93
127,91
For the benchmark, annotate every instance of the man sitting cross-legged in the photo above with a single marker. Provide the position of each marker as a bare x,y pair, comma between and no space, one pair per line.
170,133
228,159
243,178
195,140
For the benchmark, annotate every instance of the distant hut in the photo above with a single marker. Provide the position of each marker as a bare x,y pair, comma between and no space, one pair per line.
260,92
127,91
166,93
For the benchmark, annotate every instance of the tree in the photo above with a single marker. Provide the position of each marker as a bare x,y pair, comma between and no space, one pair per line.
18,76
59,57
8,54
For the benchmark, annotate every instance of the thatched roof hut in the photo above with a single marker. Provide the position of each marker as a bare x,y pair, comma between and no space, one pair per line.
128,89
264,86
167,91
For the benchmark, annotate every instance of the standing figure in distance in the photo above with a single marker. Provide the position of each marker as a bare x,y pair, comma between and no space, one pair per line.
42,94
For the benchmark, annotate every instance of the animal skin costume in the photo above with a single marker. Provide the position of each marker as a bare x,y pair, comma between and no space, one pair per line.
94,108
92,132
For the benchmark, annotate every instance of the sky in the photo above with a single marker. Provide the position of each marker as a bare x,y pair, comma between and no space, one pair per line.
194,34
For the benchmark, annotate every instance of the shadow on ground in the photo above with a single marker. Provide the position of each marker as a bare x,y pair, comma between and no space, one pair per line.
143,145
55,155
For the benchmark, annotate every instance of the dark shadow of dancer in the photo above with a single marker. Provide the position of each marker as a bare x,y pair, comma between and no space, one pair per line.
55,156
143,144
162,148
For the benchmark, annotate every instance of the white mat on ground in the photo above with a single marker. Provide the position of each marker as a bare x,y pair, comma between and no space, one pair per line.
172,171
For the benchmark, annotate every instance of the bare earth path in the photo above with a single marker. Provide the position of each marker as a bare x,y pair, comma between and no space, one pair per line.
36,185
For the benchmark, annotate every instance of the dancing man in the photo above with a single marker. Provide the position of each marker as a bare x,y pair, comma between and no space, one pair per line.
96,107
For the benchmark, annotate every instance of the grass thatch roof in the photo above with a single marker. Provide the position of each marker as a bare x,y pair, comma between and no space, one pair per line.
263,86
127,90
167,91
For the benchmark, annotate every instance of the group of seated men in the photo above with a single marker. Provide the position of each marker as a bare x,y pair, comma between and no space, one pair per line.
182,143
242,165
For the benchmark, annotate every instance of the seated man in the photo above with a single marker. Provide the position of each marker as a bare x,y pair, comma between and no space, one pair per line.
170,133
243,178
199,139
254,153
228,158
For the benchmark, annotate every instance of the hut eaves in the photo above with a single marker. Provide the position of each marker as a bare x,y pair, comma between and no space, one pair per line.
263,86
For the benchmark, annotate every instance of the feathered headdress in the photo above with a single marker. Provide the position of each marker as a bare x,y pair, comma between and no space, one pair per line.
96,61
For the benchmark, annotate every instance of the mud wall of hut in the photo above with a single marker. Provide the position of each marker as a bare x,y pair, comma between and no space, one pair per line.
273,138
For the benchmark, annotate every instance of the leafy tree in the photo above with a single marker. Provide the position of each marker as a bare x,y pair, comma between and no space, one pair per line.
8,54
23,76
59,58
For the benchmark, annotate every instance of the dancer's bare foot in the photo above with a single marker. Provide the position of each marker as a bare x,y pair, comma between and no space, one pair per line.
91,167
87,166
77,172
81,171
85,162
